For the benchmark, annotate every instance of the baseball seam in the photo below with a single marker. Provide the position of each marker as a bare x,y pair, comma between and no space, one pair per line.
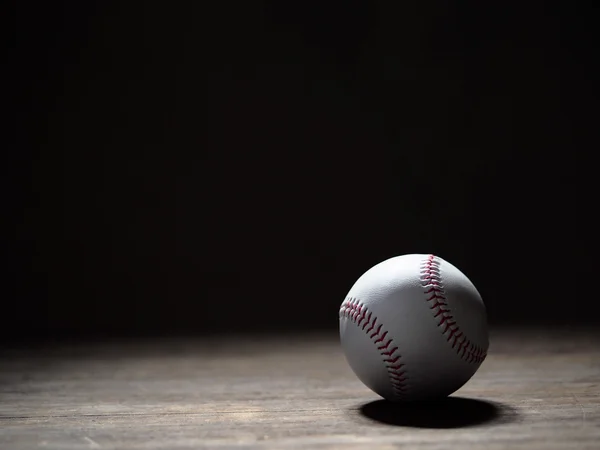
360,315
431,280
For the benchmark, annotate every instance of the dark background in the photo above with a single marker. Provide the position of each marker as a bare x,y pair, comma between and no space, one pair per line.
191,167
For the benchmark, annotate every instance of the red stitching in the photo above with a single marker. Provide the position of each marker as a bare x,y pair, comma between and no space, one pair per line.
353,309
431,280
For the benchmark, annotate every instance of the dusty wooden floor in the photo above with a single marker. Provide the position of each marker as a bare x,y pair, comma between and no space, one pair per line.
536,390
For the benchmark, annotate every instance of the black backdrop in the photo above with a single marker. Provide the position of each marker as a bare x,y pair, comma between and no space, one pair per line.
217,166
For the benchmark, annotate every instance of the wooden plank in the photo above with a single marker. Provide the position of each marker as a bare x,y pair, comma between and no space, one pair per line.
537,390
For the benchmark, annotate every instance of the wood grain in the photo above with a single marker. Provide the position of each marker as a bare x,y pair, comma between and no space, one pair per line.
538,389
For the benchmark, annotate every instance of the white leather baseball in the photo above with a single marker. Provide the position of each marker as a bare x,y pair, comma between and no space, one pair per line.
414,327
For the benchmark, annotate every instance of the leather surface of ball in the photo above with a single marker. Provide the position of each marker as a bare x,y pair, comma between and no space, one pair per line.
414,327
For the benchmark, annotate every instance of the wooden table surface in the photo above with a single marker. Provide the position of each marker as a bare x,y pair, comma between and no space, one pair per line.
538,389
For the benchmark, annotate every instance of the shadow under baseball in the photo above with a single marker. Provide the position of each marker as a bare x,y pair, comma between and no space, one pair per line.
449,412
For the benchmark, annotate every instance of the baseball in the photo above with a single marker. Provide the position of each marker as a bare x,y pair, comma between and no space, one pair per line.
414,327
